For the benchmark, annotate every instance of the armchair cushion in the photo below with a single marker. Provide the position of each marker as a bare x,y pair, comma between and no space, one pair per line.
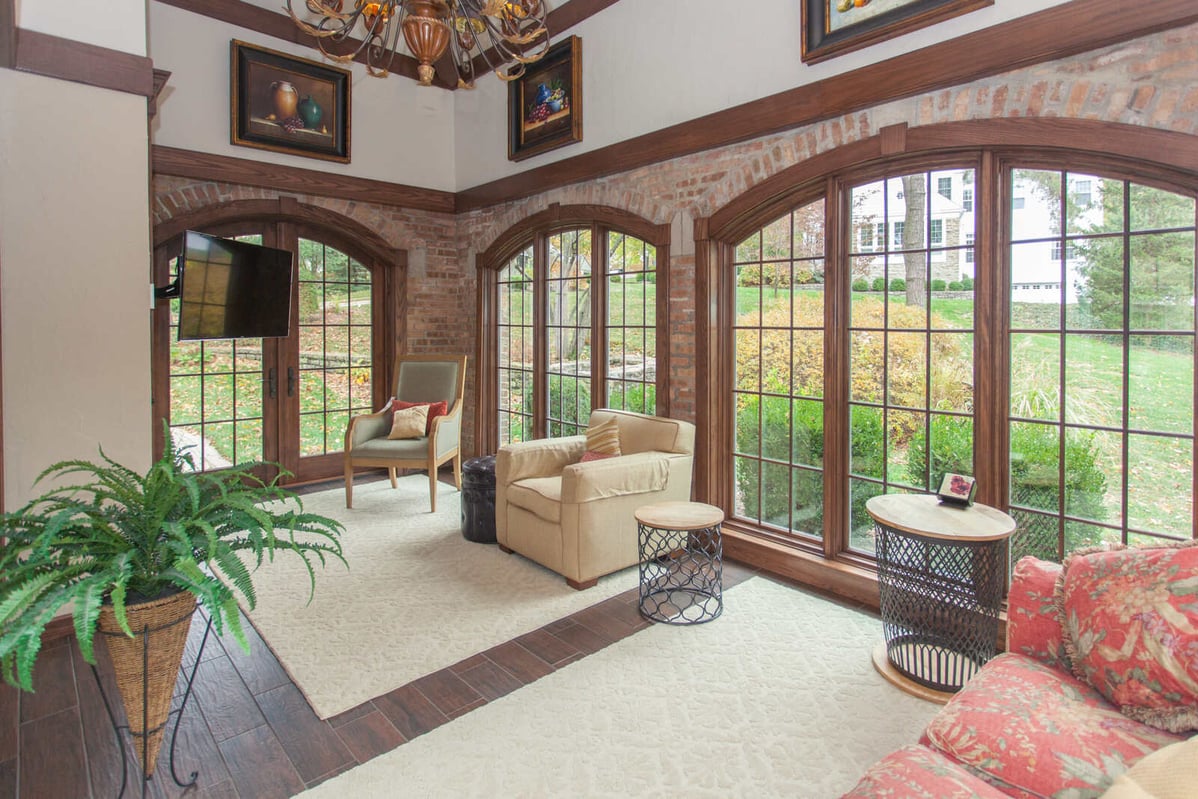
410,422
640,473
541,496
1130,630
435,409
603,439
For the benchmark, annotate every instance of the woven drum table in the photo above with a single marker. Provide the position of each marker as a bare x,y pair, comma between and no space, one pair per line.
681,554
941,572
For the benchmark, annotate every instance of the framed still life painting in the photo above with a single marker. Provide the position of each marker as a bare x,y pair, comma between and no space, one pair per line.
287,104
834,27
544,104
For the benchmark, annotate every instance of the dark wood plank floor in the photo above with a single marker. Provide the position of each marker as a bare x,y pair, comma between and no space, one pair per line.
247,729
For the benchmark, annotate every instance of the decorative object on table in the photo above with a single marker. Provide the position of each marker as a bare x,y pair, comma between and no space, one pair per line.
682,556
835,27
957,489
478,500
132,554
941,574
289,105
544,106
504,34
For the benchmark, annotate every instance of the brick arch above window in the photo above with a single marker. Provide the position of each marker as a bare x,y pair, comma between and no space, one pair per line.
996,149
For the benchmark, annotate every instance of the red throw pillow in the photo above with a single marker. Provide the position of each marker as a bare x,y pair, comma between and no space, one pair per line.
435,409
591,455
1128,617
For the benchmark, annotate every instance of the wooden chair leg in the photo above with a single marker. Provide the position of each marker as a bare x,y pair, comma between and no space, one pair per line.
457,470
349,485
432,488
503,548
391,473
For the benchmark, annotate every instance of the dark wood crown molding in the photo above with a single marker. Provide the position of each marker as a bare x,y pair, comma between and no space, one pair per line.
1058,32
78,62
280,26
243,171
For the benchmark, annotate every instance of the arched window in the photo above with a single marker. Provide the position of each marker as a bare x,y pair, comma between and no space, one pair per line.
286,400
879,331
572,303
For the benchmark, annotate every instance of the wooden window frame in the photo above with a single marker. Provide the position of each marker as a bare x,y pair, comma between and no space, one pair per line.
1118,151
535,231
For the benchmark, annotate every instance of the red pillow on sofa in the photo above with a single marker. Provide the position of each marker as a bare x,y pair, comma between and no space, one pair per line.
435,409
1130,619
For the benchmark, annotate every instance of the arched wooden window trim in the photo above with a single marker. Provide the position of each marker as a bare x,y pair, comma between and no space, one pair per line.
1164,159
389,265
535,230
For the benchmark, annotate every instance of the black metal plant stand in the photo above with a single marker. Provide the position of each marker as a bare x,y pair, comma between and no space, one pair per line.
176,713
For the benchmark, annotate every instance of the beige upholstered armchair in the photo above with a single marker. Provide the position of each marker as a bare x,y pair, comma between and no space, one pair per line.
577,518
418,379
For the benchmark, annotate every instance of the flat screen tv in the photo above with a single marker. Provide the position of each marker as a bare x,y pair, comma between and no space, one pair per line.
232,289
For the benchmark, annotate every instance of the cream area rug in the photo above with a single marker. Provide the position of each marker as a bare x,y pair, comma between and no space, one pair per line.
776,697
417,596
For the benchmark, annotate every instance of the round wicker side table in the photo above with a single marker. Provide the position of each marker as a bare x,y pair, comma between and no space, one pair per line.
941,573
681,553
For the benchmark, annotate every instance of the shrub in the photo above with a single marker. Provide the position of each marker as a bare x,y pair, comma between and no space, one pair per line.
938,285
860,284
967,284
804,276
878,284
898,284
954,285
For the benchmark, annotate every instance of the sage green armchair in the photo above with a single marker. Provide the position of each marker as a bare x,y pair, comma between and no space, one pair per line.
418,378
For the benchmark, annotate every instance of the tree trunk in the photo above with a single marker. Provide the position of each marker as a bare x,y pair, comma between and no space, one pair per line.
916,272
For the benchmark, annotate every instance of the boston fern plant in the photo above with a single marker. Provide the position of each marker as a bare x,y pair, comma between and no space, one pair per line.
111,535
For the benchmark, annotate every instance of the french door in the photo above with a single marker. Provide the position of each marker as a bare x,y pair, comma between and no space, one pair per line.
281,400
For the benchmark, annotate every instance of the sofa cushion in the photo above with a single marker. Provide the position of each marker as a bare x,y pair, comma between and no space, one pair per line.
1130,618
1168,773
1035,730
540,496
1033,614
916,772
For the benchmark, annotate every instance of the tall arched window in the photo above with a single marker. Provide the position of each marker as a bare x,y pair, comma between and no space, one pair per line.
286,400
572,305
1025,318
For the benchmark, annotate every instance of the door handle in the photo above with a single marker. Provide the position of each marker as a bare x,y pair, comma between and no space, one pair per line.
291,381
272,383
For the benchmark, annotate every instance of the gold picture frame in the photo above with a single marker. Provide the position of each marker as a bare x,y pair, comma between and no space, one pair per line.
288,105
545,103
836,27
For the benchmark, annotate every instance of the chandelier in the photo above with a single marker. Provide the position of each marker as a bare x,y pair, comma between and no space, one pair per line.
506,34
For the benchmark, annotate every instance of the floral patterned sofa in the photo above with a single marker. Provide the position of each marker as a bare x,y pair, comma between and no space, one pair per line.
1096,695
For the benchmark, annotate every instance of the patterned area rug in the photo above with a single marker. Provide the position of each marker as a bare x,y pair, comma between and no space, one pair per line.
777,697
417,598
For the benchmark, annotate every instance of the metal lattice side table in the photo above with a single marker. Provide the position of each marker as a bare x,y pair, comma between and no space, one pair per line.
941,573
681,553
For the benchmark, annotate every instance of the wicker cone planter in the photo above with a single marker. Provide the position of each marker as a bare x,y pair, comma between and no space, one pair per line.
146,678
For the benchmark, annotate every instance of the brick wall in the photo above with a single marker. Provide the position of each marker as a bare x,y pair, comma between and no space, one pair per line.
1151,81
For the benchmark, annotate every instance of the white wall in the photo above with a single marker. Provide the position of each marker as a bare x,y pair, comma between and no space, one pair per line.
115,24
400,132
74,276
649,64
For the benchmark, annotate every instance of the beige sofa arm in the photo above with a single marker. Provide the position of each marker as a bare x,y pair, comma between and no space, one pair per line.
367,426
544,457
624,475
